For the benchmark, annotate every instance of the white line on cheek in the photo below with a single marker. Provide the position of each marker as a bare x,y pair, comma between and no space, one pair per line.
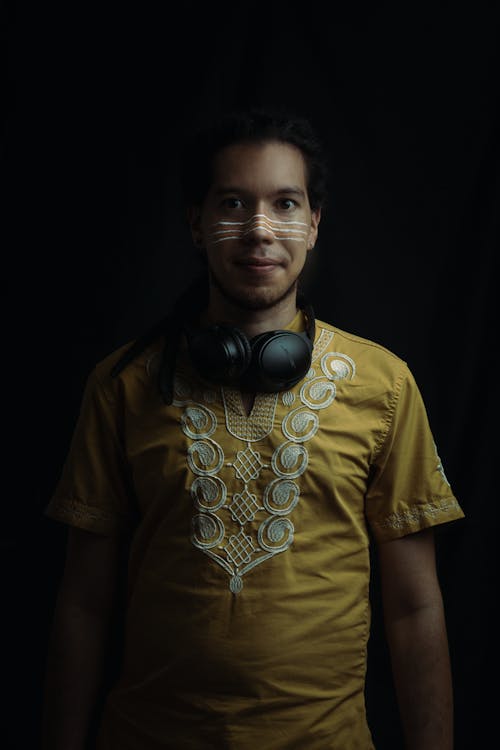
264,218
237,229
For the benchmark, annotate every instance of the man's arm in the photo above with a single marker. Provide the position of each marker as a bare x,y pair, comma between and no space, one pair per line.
77,649
416,633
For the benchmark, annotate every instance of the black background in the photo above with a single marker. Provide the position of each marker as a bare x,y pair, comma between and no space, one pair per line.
96,248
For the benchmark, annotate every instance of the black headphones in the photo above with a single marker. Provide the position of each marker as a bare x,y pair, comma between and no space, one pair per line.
270,362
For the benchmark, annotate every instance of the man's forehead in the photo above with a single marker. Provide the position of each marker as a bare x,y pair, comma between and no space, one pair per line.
279,164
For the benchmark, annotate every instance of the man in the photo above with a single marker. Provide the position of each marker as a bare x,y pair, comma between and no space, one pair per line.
243,490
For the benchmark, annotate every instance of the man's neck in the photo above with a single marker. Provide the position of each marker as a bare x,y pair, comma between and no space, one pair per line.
252,322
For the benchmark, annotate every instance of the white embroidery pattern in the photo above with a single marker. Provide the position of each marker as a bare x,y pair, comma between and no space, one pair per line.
208,530
241,551
322,343
209,493
417,514
198,422
248,464
262,421
205,457
338,366
439,466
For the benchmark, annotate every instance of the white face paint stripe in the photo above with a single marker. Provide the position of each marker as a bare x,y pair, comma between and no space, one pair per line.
256,221
281,230
260,216
242,233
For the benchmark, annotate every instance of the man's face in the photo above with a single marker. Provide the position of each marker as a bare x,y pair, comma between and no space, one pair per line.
256,224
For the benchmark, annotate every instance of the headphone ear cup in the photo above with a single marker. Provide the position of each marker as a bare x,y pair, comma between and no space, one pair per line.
279,360
220,352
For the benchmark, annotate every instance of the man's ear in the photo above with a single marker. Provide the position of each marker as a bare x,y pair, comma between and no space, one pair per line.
313,231
194,220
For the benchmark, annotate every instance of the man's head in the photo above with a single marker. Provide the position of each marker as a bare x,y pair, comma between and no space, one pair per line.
254,184
251,126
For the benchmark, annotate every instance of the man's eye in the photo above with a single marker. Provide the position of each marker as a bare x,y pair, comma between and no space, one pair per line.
232,203
287,203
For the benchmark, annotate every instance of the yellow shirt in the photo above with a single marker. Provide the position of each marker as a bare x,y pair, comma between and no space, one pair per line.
247,603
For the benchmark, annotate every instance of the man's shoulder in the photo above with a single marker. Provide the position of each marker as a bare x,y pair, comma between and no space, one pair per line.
361,360
344,340
128,363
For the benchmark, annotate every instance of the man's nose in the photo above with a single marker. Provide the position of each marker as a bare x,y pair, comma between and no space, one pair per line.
259,230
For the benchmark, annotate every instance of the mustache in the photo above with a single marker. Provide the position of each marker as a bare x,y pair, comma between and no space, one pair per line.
221,231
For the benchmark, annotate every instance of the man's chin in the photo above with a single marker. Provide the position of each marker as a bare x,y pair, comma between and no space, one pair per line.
254,298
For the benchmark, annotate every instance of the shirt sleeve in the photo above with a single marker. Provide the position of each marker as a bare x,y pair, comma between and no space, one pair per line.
95,490
409,490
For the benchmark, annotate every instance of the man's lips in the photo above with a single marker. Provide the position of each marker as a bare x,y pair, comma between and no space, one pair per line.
258,262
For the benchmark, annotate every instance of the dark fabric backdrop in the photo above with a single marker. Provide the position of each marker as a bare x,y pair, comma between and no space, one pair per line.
96,248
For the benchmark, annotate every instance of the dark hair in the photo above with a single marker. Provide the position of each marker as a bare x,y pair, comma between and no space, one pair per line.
254,125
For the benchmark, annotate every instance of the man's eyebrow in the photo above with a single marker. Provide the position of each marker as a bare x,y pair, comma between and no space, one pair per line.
294,190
